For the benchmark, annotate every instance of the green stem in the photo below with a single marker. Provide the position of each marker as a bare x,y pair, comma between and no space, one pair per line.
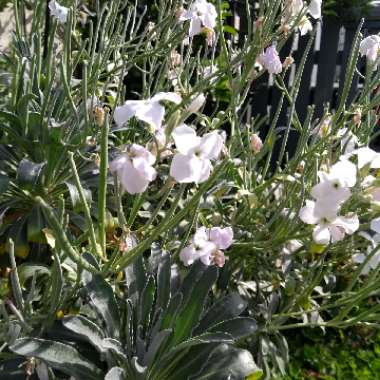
62,238
102,204
86,208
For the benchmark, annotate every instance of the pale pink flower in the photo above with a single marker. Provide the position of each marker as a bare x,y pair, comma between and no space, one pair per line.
370,47
151,111
58,11
314,9
208,245
256,143
328,225
134,169
201,14
270,60
192,163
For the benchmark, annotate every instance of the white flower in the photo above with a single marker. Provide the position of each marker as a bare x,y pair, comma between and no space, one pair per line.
314,9
292,9
290,247
192,163
256,143
208,245
333,188
372,263
151,111
349,141
270,60
134,169
370,47
58,11
305,26
201,14
366,156
328,227
197,101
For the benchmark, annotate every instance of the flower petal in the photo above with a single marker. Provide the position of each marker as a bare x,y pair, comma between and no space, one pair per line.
321,235
307,213
188,255
168,96
211,145
131,179
123,113
222,237
185,138
186,169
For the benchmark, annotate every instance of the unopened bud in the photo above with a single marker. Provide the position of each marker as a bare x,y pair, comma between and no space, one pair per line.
179,12
196,103
259,22
285,28
357,119
175,58
210,36
99,114
288,62
256,143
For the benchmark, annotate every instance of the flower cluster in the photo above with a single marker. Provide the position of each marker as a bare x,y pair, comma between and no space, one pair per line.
207,246
294,8
192,161
329,195
202,16
58,11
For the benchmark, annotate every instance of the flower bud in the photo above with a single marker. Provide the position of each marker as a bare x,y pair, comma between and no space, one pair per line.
196,103
256,143
288,62
175,58
357,118
99,114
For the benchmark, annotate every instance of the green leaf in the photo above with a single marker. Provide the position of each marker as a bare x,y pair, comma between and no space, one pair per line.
59,356
115,373
57,282
75,197
103,299
28,172
4,183
36,222
86,329
229,29
28,270
228,363
163,283
146,302
238,328
190,314
226,308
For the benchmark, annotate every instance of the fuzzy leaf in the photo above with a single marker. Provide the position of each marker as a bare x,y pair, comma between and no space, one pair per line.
189,315
86,329
59,356
115,373
103,299
227,308
228,363
238,328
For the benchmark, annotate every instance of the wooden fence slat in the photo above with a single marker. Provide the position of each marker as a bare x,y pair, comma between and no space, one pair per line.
326,66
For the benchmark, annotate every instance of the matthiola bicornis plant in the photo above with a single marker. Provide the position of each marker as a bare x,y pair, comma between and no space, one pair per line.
270,60
329,194
134,169
192,163
370,47
58,11
201,14
150,111
207,246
